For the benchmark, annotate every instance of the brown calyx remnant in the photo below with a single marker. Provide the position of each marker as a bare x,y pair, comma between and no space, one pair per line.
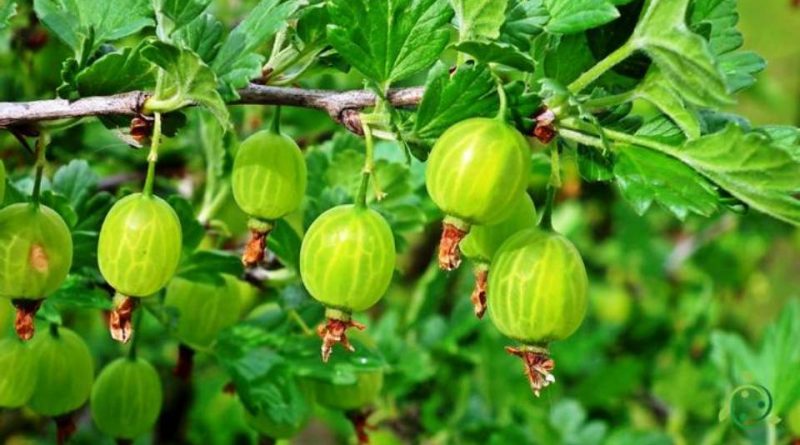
544,130
141,129
254,249
335,331
478,296
449,252
360,420
538,366
25,323
185,364
120,318
65,427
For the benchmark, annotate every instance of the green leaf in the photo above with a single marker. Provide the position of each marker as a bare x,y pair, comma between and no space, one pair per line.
646,176
655,90
187,80
117,72
191,230
497,52
594,165
389,40
75,21
469,92
285,243
75,181
749,166
7,12
202,35
79,292
572,16
175,14
208,266
477,19
237,63
685,59
525,19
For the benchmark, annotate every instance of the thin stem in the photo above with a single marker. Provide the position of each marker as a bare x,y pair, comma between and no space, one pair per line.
617,136
41,161
610,101
137,323
581,138
617,56
275,125
209,210
300,322
772,434
369,164
152,157
546,222
501,92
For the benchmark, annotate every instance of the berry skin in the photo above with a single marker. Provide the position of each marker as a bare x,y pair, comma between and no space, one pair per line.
204,309
360,394
18,379
2,182
35,251
538,290
482,242
140,245
346,262
476,171
126,398
64,373
268,181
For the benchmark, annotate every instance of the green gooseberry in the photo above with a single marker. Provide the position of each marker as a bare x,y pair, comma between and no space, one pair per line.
64,373
18,378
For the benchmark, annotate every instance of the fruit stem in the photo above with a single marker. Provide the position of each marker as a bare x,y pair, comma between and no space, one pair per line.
275,124
501,92
546,222
41,161
137,323
617,56
152,157
300,322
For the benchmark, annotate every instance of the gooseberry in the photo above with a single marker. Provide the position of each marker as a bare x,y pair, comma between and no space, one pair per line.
2,182
476,171
18,379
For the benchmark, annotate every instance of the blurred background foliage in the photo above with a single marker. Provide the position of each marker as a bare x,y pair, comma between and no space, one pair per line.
682,313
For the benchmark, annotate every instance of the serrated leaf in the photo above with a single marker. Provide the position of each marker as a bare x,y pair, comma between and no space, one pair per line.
525,19
175,14
117,72
285,243
685,59
78,292
187,80
208,266
75,21
389,40
7,11
469,92
594,165
750,167
202,35
485,51
192,231
655,90
75,181
645,176
237,63
571,16
478,19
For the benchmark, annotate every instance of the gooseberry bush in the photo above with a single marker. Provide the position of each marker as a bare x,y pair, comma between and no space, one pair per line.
230,222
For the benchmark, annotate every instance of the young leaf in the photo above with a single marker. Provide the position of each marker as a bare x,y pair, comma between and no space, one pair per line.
571,16
237,62
749,166
187,80
469,92
646,176
117,72
655,90
525,19
479,18
485,51
77,21
75,181
175,14
685,59
389,40
202,35
209,265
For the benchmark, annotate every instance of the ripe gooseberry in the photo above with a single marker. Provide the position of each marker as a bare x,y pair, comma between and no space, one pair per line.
476,171
539,286
204,309
347,259
18,379
35,257
268,183
64,372
126,398
138,253
2,182
482,242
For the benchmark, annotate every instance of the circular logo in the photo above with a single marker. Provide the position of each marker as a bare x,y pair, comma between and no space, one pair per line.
749,405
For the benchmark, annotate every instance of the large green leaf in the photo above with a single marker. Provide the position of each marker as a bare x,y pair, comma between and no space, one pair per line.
658,92
203,35
479,18
751,167
525,19
486,52
117,72
175,14
187,80
571,16
237,61
75,21
389,40
7,11
685,58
